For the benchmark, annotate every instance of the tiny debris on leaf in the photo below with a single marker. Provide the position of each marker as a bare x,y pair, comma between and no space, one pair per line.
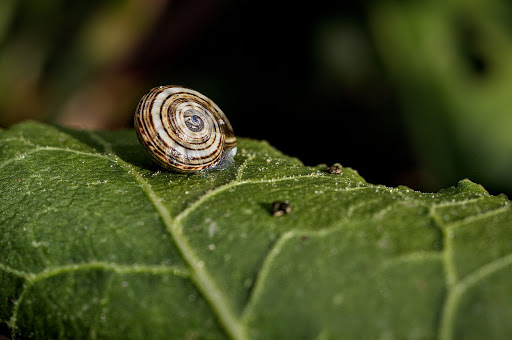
279,208
336,168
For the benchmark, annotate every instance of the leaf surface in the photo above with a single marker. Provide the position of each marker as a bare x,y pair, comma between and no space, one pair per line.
97,242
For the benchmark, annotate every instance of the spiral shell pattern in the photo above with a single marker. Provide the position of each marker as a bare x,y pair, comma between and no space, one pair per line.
183,130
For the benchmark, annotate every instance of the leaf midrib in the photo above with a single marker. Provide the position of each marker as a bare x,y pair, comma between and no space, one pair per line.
199,275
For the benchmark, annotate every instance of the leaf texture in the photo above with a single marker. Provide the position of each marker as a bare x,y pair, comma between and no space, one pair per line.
97,242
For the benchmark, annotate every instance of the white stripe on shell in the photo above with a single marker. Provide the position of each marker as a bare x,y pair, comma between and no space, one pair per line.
160,130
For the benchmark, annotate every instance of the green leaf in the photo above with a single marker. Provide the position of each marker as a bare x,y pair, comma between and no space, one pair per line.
97,242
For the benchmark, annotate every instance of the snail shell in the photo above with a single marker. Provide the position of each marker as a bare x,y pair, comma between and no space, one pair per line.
183,130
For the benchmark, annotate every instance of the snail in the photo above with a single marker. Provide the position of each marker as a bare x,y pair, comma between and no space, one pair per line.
184,131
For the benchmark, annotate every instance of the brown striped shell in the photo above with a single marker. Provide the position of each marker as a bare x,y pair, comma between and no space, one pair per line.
183,130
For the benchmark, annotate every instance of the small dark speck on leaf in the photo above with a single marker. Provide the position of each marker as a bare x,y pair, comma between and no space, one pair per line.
279,208
337,168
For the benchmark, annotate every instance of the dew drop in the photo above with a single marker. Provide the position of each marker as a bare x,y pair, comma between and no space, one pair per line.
338,299
212,229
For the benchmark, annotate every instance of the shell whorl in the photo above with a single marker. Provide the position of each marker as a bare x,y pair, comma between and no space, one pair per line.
183,130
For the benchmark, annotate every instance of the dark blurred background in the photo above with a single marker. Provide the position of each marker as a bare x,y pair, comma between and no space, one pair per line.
407,92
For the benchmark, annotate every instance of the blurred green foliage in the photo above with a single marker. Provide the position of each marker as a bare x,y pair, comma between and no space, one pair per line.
56,55
451,65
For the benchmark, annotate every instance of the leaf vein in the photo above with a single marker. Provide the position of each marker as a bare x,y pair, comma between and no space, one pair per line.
117,268
478,217
232,184
264,271
240,170
454,295
49,148
447,249
33,278
415,256
272,255
15,272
